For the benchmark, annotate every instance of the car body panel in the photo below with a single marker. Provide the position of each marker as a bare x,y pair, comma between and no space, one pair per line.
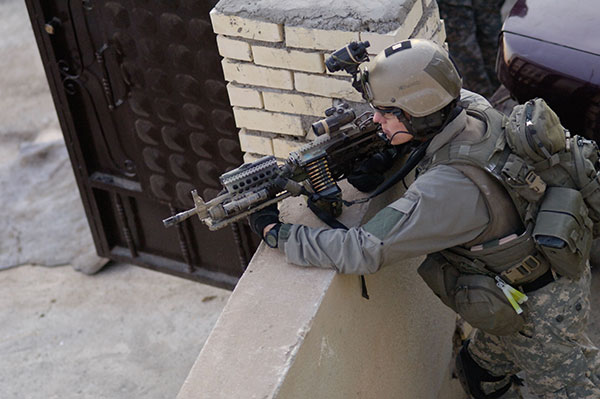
549,49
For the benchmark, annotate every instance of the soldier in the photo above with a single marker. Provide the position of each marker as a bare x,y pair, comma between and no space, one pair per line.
472,28
415,89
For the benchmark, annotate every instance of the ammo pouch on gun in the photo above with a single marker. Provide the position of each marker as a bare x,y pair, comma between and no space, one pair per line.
563,231
474,296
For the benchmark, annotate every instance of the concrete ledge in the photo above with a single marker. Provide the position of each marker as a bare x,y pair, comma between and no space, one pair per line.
292,332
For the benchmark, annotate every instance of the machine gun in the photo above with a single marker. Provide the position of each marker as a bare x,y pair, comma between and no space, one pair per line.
343,141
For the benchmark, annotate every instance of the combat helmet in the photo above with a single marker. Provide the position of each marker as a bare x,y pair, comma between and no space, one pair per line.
414,77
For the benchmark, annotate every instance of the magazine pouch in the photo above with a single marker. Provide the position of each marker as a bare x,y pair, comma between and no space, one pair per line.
563,231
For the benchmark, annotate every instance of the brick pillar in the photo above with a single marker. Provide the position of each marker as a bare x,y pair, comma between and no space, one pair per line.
274,62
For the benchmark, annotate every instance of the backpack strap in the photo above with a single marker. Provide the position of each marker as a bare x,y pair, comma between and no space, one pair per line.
590,188
548,162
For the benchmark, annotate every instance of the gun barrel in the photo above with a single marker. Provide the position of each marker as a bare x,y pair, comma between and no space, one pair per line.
180,217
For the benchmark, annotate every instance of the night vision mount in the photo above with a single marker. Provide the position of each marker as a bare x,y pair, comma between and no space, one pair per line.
349,58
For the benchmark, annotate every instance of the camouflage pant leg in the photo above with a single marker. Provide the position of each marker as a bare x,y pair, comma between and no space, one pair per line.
488,23
553,350
461,35
489,353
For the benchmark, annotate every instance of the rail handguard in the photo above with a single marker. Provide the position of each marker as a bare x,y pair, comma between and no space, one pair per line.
313,170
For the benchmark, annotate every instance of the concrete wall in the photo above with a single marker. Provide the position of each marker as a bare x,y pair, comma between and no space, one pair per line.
274,52
292,332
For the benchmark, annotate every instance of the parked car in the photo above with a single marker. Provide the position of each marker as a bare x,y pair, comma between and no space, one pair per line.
551,49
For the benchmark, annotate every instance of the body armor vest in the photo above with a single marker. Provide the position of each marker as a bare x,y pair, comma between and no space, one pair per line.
540,208
506,247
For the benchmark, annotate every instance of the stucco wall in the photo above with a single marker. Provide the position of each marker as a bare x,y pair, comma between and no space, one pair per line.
395,345
293,332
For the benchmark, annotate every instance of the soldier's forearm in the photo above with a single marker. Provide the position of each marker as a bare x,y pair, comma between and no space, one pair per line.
352,251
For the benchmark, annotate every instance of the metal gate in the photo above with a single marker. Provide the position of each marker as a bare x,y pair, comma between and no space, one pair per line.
143,106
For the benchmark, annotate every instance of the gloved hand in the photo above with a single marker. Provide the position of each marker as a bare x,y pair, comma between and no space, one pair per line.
369,174
261,219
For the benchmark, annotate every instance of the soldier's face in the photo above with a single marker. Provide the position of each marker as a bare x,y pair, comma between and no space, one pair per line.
395,130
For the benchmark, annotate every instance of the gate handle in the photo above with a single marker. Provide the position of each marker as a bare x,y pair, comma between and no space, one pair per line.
106,82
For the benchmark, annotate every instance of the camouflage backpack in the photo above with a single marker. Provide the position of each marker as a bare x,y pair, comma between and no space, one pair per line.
560,179
551,177
568,215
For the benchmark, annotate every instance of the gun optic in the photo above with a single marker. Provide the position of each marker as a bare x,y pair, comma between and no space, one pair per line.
337,117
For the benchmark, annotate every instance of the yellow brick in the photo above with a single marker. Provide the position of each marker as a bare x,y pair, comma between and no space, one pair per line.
244,97
296,103
231,25
268,121
236,49
289,59
282,147
434,15
410,22
430,27
380,41
326,86
249,157
317,39
441,34
251,74
255,143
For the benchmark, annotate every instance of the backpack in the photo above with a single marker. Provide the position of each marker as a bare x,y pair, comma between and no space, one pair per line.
534,133
559,178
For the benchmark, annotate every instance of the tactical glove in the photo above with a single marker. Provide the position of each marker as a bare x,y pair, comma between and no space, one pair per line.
261,219
369,173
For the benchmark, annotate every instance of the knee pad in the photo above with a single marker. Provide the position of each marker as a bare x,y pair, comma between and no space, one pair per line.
471,375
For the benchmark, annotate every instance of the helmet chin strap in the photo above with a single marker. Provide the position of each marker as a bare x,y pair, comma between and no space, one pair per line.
394,135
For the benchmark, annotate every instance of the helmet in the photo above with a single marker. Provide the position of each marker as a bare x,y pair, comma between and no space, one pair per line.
416,76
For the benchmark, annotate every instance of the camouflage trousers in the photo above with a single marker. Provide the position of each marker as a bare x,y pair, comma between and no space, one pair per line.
552,350
472,29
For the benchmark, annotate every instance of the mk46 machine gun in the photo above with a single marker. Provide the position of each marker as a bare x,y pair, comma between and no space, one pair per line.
343,141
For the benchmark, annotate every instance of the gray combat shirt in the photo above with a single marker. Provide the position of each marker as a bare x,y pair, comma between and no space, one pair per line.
441,209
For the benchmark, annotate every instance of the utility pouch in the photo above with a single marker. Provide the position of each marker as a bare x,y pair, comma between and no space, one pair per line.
441,277
534,131
475,297
484,306
563,231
